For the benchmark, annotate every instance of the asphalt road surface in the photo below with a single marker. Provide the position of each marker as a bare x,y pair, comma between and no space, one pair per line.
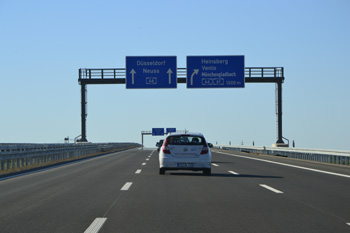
123,193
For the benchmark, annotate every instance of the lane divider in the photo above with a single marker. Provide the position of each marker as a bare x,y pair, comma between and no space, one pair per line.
126,186
96,225
270,188
138,171
214,164
234,173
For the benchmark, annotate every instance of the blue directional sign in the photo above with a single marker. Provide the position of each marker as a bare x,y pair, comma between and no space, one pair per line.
151,72
170,130
215,71
157,131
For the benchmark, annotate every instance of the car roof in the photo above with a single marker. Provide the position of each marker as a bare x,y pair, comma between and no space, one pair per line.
188,133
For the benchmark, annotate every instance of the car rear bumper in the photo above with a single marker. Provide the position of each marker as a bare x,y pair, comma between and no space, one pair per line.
184,169
184,164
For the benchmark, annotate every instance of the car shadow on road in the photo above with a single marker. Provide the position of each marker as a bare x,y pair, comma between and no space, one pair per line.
225,175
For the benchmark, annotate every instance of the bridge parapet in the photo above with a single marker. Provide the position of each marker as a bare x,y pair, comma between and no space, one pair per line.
325,156
17,156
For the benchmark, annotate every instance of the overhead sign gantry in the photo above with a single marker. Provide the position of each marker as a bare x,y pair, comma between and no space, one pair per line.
201,72
159,132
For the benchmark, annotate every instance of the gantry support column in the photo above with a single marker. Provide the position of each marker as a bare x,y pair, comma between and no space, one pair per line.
83,112
280,141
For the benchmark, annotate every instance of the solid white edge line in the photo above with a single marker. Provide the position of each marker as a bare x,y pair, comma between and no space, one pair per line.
234,173
126,186
289,165
270,188
215,164
96,225
138,171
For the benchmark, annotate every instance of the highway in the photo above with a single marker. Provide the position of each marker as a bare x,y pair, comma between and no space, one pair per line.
123,193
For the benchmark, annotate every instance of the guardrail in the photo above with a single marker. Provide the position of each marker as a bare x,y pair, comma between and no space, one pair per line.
15,157
325,156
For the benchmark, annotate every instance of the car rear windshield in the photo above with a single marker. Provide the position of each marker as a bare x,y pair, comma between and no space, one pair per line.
186,140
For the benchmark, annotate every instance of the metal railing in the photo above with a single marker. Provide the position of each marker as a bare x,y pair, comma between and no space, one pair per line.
102,73
263,72
115,73
325,156
14,157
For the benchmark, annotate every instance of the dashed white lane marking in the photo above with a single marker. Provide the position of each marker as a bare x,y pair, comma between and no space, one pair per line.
138,171
126,186
96,225
234,173
147,159
288,165
143,164
270,188
214,164
149,156
348,223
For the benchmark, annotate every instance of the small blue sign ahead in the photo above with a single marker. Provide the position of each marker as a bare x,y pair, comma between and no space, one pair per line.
151,72
170,130
215,71
157,131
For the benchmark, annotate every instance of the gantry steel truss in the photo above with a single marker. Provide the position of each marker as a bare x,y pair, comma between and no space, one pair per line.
117,76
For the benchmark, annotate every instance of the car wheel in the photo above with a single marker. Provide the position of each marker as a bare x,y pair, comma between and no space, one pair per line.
161,171
207,171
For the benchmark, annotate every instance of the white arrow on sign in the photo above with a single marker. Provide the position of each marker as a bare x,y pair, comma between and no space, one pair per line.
195,71
132,72
170,72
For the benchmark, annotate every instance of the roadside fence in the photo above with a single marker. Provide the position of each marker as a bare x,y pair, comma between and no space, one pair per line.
325,156
15,157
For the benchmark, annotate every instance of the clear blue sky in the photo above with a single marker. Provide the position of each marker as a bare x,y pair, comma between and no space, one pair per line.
44,43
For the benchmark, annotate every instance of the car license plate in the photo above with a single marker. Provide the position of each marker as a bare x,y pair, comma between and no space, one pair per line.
185,165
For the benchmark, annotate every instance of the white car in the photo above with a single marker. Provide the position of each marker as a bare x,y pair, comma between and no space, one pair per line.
185,151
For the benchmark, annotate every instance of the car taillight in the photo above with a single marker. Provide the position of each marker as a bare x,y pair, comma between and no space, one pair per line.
166,148
205,150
